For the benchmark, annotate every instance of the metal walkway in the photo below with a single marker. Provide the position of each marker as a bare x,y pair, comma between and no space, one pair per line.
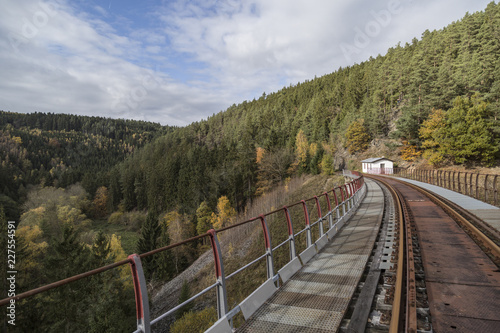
486,212
316,298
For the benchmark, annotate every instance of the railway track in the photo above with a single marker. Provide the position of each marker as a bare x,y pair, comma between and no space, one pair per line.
447,277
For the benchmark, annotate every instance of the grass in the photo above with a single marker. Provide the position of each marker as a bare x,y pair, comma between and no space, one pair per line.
128,238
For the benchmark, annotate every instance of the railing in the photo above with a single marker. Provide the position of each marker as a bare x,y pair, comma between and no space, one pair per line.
483,187
380,171
340,203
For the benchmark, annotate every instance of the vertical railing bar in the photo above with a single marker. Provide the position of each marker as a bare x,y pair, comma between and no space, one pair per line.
495,195
269,248
320,216
308,226
329,205
453,180
221,292
351,197
347,196
336,204
470,184
469,187
486,188
141,294
342,202
477,186
464,183
291,237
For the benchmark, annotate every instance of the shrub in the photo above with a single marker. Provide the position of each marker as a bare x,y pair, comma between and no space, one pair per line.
116,218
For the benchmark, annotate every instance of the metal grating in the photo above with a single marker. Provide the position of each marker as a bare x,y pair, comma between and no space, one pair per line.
316,297
310,318
257,325
325,289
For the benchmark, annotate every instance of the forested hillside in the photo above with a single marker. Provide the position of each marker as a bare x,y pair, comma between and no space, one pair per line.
305,125
60,150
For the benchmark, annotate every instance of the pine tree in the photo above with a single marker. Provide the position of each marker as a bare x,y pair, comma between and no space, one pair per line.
327,165
184,296
63,306
461,134
470,137
203,216
110,304
148,241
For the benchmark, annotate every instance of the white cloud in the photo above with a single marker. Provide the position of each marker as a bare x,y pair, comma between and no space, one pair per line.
73,64
192,59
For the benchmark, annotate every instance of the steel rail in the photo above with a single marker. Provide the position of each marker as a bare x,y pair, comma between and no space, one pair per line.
461,217
398,287
452,210
411,290
402,304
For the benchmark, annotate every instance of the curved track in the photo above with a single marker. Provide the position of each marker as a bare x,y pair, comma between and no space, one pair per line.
461,281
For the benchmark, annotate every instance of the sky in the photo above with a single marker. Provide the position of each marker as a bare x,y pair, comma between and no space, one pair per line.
178,61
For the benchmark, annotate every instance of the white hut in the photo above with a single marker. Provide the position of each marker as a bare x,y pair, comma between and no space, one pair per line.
378,165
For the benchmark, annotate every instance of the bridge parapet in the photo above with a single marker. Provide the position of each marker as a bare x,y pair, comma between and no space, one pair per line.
484,187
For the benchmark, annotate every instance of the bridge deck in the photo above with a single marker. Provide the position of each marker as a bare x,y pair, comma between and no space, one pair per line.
486,212
316,298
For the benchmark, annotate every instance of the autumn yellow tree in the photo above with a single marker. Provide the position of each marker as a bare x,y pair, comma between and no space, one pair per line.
33,216
225,213
302,150
259,154
357,136
34,250
100,203
409,152
116,251
429,132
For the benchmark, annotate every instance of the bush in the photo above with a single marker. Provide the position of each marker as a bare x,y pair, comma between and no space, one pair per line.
116,218
133,220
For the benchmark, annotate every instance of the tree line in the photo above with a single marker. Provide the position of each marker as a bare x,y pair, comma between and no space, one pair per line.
60,150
